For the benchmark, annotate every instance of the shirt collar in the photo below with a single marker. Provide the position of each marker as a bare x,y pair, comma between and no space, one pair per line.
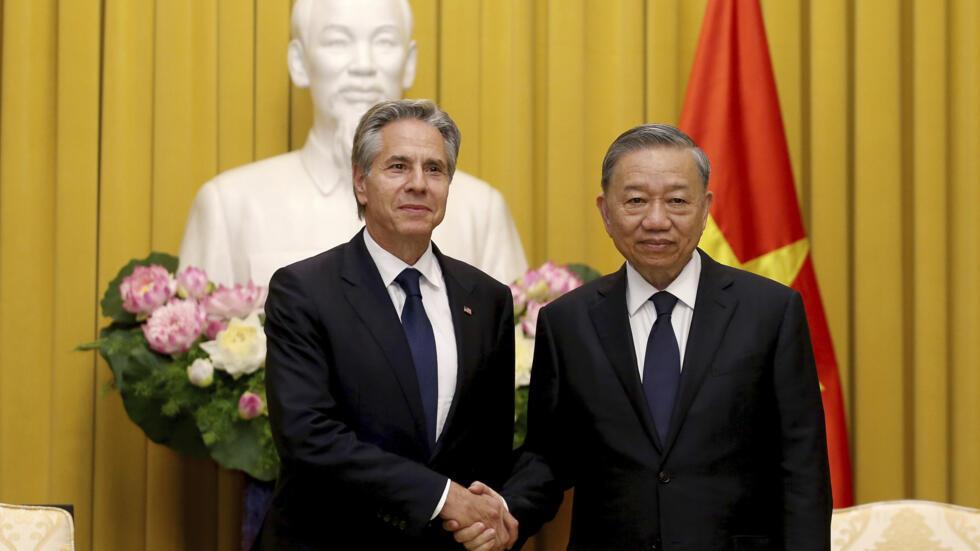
314,157
389,265
684,286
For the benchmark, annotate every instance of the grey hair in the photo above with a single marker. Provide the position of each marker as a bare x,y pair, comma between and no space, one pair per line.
367,137
302,18
652,136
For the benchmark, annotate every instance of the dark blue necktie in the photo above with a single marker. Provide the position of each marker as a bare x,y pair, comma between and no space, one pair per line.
421,340
662,365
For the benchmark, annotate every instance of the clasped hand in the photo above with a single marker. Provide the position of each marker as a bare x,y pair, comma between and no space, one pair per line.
478,518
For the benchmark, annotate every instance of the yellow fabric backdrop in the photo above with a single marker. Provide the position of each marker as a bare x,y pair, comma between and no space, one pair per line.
113,112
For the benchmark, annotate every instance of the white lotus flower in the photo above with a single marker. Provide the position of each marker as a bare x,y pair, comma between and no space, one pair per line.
201,372
523,356
240,348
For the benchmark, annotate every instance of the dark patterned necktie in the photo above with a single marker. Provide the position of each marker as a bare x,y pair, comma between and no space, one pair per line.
421,340
662,365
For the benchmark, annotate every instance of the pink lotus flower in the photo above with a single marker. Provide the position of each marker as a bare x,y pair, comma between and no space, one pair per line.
560,279
235,302
214,325
146,289
193,283
250,406
520,298
530,322
173,328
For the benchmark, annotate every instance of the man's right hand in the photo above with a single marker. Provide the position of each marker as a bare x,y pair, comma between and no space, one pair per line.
480,518
499,533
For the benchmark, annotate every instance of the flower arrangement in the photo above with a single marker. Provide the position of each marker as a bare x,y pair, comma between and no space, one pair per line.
535,289
187,358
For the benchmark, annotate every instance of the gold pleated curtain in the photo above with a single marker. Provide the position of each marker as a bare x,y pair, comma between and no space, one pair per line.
114,112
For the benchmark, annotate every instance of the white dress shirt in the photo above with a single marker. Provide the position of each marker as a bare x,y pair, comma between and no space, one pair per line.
435,300
643,314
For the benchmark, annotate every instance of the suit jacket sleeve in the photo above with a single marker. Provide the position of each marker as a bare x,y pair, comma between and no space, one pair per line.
540,476
305,425
807,502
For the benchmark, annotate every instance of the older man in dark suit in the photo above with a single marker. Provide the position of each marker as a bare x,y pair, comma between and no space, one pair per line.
390,368
678,396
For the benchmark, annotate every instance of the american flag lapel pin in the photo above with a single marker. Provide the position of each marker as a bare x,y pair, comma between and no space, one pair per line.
467,310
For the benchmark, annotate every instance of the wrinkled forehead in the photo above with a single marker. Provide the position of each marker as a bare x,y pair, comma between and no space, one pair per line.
362,15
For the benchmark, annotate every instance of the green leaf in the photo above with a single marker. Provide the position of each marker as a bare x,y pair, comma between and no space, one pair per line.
94,345
248,447
133,368
520,415
584,272
112,301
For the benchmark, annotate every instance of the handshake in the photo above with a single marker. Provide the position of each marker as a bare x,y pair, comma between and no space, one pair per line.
478,518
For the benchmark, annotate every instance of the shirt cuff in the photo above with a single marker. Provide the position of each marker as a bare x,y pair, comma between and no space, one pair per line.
442,500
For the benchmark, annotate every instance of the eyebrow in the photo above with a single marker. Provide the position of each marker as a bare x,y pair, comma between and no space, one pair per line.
398,159
332,27
642,187
386,28
346,29
409,160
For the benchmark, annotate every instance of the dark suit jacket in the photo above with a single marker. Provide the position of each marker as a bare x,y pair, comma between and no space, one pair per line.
346,411
744,465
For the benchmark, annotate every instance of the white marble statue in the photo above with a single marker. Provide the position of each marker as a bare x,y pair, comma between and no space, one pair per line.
251,220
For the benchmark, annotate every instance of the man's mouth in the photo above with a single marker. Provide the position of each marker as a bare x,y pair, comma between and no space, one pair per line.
656,244
415,209
361,94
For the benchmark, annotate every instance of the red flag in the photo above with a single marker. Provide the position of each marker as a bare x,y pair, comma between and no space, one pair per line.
732,111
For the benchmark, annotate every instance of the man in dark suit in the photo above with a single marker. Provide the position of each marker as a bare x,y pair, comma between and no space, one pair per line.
390,366
678,396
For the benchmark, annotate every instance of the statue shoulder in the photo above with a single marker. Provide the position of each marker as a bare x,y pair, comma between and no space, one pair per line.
258,176
472,188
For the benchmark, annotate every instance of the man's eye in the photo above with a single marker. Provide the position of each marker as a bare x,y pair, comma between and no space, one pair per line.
677,201
397,166
635,201
334,41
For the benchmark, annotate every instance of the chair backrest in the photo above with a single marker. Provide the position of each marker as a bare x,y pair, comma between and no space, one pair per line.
905,525
36,528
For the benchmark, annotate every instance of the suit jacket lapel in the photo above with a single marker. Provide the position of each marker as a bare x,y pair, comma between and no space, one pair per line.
611,321
712,311
370,300
466,329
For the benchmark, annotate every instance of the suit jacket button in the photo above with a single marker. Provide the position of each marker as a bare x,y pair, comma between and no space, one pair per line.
662,476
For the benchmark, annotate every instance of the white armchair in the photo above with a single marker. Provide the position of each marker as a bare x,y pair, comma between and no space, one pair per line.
36,528
905,525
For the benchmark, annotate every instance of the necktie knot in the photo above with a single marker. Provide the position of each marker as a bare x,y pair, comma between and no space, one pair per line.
408,280
664,302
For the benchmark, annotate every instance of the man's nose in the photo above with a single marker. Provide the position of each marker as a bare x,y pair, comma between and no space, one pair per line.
416,181
362,64
656,217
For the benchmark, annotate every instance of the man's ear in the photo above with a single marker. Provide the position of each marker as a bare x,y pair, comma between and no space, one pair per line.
360,185
411,58
708,198
600,203
296,61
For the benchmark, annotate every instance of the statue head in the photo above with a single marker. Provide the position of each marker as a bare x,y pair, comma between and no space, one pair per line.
351,54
